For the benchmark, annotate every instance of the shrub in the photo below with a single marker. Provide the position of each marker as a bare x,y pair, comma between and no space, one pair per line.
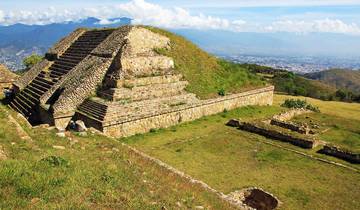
299,104
55,161
32,60
221,92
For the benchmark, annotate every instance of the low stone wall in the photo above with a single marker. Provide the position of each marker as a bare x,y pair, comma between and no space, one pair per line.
341,153
288,115
301,142
60,47
132,126
30,75
291,126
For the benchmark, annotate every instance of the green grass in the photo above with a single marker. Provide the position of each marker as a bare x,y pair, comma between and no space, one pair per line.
229,159
339,131
93,172
206,74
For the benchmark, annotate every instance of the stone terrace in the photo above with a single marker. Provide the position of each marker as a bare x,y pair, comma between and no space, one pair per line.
114,81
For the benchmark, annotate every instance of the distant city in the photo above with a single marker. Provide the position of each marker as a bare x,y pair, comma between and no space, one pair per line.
297,64
13,58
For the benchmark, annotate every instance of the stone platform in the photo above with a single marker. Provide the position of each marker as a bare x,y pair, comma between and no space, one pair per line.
115,81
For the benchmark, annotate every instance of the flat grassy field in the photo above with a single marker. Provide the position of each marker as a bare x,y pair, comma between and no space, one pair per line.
92,172
229,159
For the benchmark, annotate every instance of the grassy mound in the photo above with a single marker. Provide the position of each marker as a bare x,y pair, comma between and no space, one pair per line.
208,76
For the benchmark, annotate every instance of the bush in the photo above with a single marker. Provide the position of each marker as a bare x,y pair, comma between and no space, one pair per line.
32,60
221,92
299,104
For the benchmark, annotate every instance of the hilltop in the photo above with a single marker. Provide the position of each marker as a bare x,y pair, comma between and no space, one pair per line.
339,78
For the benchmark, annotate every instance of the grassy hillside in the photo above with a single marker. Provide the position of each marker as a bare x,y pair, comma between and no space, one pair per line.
85,172
298,85
207,75
340,78
230,159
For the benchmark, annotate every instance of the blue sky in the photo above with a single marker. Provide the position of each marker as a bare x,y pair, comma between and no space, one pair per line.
296,16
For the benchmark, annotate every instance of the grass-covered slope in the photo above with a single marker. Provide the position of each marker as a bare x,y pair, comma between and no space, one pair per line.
90,172
340,78
208,76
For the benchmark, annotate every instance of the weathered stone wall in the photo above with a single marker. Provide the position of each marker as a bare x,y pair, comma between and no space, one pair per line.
135,125
79,88
341,153
142,81
145,92
137,56
142,42
291,126
30,75
60,47
145,66
262,130
288,115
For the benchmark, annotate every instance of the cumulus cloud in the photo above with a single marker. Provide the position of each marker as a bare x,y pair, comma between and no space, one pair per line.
143,12
324,25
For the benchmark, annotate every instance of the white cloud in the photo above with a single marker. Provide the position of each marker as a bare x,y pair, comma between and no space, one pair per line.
143,12
324,25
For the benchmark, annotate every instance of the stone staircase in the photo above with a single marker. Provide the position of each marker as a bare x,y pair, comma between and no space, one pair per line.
28,99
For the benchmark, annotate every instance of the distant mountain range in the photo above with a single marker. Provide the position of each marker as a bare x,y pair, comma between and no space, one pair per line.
19,40
339,78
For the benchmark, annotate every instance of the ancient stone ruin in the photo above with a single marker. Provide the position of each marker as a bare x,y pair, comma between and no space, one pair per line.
114,81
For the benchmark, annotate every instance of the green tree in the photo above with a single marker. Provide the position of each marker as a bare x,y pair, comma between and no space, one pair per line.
31,60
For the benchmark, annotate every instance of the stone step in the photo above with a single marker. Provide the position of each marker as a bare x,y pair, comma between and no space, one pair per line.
56,74
28,91
92,45
75,55
79,51
70,58
58,66
95,115
35,89
42,79
24,102
60,70
31,95
39,87
39,83
68,61
64,63
18,105
96,108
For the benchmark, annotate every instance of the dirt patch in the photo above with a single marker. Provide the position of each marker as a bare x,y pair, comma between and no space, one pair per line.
256,198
